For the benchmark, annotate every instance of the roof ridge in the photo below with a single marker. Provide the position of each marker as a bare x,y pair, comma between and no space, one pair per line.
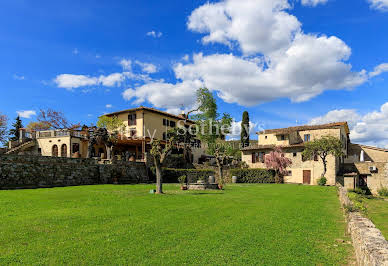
297,128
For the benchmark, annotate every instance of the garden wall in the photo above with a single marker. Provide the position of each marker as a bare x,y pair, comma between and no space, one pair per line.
22,171
369,244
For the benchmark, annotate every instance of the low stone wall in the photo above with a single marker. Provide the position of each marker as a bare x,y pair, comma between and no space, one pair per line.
21,171
369,244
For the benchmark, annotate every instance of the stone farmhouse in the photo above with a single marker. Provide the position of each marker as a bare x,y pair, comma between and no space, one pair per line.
141,125
360,166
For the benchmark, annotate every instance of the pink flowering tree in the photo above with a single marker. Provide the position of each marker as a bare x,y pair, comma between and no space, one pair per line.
276,161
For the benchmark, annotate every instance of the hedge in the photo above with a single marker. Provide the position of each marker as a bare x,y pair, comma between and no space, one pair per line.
253,175
171,175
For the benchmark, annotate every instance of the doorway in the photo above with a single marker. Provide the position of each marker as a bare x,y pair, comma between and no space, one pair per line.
307,177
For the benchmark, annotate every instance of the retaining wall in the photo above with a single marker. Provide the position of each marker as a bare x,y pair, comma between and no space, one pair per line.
23,171
369,244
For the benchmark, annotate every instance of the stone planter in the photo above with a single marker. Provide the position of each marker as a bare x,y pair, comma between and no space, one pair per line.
203,186
212,179
234,179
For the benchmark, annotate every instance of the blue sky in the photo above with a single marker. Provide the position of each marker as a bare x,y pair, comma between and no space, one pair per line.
286,62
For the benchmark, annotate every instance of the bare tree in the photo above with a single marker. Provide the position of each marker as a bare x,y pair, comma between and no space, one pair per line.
160,154
56,120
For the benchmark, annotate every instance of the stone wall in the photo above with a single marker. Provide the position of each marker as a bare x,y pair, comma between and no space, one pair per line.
21,171
369,244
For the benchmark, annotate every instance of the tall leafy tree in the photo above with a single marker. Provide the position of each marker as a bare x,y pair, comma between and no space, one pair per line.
323,147
245,130
15,131
114,126
3,127
205,106
213,129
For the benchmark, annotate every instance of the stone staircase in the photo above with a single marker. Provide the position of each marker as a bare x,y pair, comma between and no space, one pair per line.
22,146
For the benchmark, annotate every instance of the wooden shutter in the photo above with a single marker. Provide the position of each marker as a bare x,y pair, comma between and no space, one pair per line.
253,157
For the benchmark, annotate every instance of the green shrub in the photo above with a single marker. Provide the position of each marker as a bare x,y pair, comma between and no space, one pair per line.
172,175
322,181
362,191
358,201
253,175
182,179
383,192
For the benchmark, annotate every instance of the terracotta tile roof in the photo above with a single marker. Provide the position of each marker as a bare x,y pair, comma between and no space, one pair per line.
370,147
150,110
271,146
288,130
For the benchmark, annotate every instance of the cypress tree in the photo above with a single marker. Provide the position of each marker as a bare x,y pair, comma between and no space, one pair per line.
15,131
245,130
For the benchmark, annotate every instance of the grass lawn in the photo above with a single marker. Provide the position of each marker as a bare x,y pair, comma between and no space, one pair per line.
377,211
124,224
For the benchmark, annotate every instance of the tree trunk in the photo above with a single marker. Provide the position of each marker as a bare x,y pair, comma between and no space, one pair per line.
158,170
278,178
324,167
221,174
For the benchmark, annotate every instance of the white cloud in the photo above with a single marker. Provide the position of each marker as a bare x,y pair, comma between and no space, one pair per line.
283,61
26,113
112,80
344,115
236,129
147,67
75,51
17,77
154,34
186,58
126,64
379,70
108,106
164,95
313,2
98,56
381,5
70,81
259,26
369,129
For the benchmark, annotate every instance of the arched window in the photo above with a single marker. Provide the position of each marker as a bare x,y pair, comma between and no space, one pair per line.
54,151
64,150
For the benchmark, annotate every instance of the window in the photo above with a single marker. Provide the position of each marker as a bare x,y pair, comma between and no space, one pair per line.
294,154
289,173
282,137
75,147
307,137
64,150
164,136
266,137
132,120
254,157
261,157
172,124
316,157
165,122
54,151
132,132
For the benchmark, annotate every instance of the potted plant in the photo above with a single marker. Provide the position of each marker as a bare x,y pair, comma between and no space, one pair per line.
182,180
